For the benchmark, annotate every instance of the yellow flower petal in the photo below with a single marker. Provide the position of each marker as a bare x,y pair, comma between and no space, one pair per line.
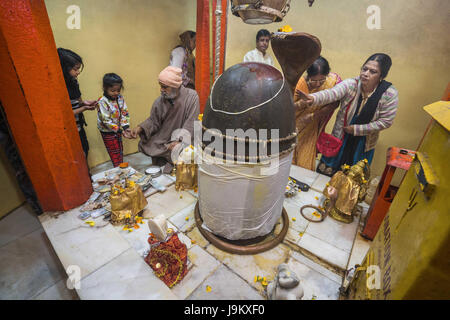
256,278
301,234
316,214
317,198
208,289
293,219
264,283
187,218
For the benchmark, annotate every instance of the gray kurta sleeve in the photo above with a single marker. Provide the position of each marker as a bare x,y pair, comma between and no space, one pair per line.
153,123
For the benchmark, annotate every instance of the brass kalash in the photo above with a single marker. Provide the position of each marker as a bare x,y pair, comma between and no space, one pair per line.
186,170
345,189
127,201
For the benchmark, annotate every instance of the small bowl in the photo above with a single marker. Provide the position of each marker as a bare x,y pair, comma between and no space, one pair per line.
154,171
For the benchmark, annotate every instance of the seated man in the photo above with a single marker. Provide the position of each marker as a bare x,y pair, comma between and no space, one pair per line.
177,108
259,54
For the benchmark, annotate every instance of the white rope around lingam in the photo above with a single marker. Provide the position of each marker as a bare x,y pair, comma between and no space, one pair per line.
248,109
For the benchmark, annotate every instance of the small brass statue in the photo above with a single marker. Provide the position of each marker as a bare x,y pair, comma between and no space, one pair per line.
186,170
345,189
126,203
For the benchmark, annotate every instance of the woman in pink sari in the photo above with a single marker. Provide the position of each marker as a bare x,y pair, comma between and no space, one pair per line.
311,121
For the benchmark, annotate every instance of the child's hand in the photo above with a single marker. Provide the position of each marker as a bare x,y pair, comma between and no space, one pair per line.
135,132
127,134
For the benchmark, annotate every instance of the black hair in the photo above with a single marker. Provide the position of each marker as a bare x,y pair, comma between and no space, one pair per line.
320,66
383,60
190,33
262,33
68,60
109,80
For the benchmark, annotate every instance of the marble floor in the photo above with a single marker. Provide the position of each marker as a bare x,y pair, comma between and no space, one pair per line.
35,253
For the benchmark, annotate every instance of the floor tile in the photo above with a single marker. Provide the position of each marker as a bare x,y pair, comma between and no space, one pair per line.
58,291
292,235
317,267
184,220
17,224
303,198
320,182
169,202
28,266
225,285
127,277
336,233
197,237
248,266
88,247
293,210
137,238
324,251
315,285
360,248
303,175
203,265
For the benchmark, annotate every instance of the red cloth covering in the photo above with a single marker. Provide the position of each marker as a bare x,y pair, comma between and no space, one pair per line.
168,259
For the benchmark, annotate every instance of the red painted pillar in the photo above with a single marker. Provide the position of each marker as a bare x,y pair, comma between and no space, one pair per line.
202,56
37,106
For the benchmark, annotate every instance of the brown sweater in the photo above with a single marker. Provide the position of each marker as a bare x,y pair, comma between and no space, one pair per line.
164,119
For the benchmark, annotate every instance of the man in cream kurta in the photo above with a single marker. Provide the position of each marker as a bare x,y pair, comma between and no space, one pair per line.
177,108
260,54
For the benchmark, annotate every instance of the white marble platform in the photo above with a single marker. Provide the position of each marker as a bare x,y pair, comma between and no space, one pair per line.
112,265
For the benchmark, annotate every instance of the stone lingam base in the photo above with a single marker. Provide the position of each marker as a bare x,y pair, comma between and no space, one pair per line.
247,246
